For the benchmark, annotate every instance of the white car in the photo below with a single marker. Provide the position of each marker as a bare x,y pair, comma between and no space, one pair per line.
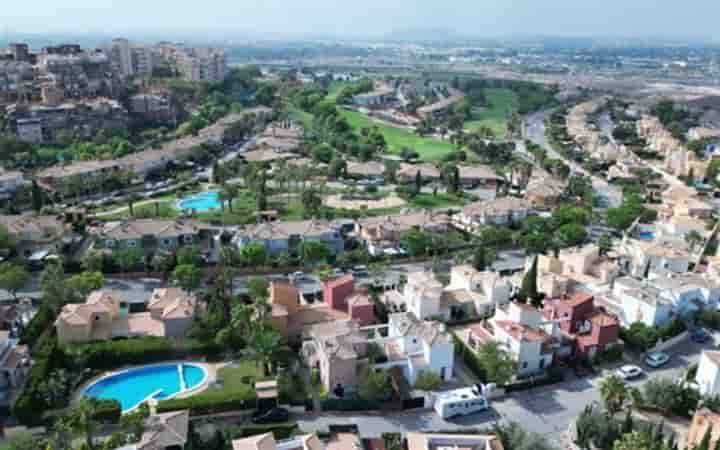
656,359
629,372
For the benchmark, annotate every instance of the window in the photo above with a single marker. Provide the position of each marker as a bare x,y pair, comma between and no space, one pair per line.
524,365
132,244
188,239
110,243
166,242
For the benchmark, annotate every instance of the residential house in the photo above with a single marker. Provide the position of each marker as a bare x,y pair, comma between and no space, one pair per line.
501,211
292,317
639,301
410,344
380,97
383,234
543,191
33,234
341,294
639,258
703,421
266,441
164,431
149,235
105,315
522,331
370,170
591,329
281,137
15,362
581,266
479,176
407,173
265,154
708,373
469,293
439,441
286,237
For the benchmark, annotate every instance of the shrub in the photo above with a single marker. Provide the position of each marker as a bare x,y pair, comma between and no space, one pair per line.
108,355
428,381
37,325
709,319
108,411
668,397
468,357
612,354
212,402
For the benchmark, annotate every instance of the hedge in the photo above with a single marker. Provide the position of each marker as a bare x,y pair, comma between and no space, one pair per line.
335,404
47,357
212,402
107,411
107,355
40,322
470,359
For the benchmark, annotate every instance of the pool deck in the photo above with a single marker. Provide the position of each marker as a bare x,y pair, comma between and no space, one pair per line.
209,368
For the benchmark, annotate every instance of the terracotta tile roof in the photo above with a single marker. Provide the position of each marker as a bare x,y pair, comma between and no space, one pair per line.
521,332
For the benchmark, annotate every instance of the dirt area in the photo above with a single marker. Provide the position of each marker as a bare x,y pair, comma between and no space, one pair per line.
337,201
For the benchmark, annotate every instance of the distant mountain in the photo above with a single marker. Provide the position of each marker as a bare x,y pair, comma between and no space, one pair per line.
438,35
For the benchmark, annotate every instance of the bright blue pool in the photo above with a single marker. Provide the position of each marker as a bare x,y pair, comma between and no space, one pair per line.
205,201
132,387
647,235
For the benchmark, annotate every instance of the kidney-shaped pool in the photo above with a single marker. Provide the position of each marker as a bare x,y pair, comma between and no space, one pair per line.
133,386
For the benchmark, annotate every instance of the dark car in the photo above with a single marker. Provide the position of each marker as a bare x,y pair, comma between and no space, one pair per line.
700,336
273,415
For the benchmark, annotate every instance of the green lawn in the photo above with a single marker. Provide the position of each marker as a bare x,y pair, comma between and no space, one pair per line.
301,116
235,378
397,138
436,201
335,88
501,102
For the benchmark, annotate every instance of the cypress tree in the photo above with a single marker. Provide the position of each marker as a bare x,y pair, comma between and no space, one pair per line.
479,259
529,290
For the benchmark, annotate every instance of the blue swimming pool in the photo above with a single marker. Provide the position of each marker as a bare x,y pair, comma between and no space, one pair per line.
205,201
647,235
132,387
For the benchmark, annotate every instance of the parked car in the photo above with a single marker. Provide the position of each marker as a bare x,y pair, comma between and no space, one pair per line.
629,372
360,271
296,276
700,335
273,415
656,359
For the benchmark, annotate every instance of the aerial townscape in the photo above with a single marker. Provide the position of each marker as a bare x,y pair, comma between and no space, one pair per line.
359,227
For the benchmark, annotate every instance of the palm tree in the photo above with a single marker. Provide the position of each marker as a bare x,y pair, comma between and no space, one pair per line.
81,420
230,193
614,392
264,343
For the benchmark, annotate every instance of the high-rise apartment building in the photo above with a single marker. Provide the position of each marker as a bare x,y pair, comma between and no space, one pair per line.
129,59
202,64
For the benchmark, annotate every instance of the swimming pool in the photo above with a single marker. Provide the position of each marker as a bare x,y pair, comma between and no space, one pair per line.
646,236
133,386
204,201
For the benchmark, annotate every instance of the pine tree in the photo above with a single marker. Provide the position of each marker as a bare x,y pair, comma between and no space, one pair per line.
529,290
37,201
418,182
479,259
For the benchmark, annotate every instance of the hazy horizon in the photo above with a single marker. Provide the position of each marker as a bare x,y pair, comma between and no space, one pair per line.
223,19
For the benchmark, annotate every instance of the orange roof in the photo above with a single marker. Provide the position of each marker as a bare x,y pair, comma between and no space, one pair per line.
521,332
578,298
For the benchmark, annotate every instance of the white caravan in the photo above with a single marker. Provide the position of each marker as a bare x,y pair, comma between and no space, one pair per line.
460,402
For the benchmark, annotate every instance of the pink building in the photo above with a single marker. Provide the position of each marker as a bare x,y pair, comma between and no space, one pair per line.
361,308
336,292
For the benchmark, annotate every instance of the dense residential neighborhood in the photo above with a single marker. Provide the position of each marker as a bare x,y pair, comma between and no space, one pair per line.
358,245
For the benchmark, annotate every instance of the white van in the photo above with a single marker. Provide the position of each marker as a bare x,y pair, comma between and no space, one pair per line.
460,402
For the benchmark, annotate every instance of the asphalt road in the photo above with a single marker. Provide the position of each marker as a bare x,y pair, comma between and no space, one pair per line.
546,410
535,132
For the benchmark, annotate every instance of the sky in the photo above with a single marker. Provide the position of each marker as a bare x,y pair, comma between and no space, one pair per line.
696,19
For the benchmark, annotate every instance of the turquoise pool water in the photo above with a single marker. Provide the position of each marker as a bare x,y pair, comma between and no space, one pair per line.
134,386
204,201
